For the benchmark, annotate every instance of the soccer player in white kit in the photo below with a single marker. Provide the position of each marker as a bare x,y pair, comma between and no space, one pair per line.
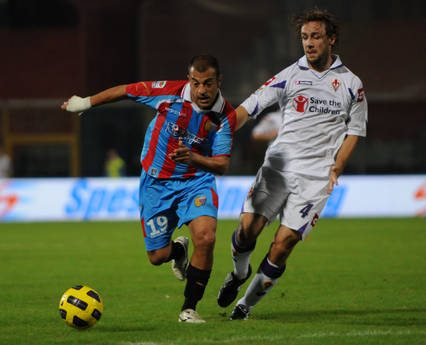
324,112
267,128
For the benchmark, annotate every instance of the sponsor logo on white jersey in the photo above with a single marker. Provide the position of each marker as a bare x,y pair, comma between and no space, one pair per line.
312,104
303,82
299,103
324,106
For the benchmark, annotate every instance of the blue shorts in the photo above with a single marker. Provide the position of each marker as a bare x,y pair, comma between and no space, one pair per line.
169,203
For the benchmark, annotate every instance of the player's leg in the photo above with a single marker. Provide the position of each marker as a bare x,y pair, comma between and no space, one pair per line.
158,231
243,242
203,232
159,220
203,235
179,256
298,217
198,209
270,270
262,204
176,251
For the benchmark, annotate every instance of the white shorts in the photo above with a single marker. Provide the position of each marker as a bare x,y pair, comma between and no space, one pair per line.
297,199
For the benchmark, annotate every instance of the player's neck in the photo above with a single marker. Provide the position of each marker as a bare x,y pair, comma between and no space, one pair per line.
322,65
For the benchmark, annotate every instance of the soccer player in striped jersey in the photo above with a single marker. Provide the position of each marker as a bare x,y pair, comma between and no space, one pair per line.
188,141
324,112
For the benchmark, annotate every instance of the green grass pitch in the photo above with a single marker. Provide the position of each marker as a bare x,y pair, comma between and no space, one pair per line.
353,281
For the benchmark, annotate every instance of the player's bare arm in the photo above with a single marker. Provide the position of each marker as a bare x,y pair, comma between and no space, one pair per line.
113,94
79,104
345,151
265,136
217,165
242,116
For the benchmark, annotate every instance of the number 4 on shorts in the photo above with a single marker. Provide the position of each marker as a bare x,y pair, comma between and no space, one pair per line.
304,211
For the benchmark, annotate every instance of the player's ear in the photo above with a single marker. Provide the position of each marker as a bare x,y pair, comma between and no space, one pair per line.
332,40
219,79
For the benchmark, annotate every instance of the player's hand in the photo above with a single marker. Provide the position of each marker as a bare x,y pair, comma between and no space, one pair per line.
182,154
77,104
333,179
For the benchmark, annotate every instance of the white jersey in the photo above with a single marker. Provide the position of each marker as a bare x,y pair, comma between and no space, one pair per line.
269,122
318,111
5,166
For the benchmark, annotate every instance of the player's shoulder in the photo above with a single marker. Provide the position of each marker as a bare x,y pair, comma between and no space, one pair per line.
228,112
277,82
156,88
344,72
228,108
172,87
226,116
288,72
353,82
291,72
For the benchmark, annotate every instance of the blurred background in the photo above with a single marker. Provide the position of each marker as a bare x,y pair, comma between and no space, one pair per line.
52,49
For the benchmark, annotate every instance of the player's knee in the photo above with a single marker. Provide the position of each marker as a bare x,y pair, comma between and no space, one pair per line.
156,261
293,238
288,242
208,240
245,239
251,225
247,235
157,258
205,240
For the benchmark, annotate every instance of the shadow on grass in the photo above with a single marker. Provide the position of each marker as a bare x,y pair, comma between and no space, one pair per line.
124,329
378,317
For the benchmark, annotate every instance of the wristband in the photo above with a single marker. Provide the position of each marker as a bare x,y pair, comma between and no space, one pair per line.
78,104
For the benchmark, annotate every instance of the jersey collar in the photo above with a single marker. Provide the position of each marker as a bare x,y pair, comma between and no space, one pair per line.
217,106
303,62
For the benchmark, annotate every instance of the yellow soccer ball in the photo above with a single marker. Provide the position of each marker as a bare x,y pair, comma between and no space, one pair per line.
81,307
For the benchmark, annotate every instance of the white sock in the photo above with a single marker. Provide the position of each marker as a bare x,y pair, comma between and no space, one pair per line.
258,288
240,256
241,262
264,280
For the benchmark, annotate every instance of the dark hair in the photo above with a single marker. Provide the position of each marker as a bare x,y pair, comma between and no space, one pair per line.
202,63
319,15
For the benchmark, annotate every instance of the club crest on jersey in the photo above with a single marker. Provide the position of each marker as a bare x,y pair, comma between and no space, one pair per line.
158,84
200,200
299,103
335,83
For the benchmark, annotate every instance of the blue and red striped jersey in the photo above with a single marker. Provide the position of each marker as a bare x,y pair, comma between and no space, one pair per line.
207,132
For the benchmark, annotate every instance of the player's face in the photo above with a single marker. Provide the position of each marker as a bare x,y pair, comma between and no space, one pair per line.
317,45
204,87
